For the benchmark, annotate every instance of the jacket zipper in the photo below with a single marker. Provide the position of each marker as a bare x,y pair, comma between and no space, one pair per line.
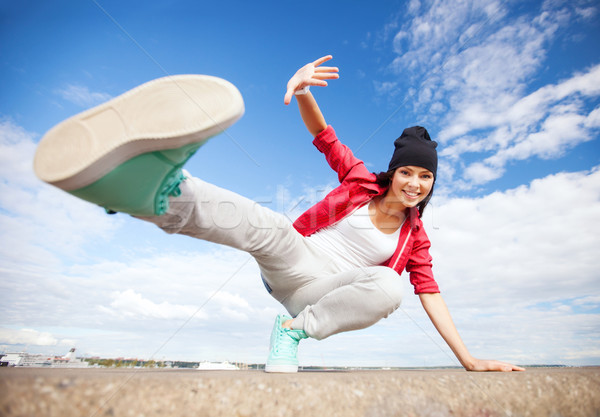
402,250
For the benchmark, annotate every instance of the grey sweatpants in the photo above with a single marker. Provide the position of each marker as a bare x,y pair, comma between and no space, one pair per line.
322,299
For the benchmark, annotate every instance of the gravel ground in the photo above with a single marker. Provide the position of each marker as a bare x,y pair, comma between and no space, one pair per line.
128,392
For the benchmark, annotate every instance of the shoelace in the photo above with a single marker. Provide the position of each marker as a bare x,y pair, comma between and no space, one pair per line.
171,188
285,342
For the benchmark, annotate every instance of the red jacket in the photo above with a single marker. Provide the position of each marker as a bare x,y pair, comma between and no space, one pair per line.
357,187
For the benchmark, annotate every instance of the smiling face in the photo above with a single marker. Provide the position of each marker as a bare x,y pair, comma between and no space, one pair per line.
410,185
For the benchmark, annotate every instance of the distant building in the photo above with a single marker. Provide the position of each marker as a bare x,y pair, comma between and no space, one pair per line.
217,366
32,360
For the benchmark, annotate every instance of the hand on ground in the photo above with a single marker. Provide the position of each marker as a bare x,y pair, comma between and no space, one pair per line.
481,365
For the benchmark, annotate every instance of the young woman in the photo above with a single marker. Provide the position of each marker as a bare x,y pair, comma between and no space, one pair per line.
335,269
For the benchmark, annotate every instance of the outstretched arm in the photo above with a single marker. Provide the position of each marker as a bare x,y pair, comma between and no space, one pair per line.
437,311
311,74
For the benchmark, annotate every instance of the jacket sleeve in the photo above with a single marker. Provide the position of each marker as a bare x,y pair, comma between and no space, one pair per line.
339,157
419,264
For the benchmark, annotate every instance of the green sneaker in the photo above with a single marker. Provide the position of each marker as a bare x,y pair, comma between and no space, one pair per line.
283,354
126,154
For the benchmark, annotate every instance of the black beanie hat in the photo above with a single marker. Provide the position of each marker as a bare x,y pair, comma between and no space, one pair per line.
415,147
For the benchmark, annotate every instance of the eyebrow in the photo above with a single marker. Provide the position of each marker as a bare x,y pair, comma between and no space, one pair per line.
420,170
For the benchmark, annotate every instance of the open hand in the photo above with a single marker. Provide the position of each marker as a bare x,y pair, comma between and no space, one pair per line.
310,74
482,365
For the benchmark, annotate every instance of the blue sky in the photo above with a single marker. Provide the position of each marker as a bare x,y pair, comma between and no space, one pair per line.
510,90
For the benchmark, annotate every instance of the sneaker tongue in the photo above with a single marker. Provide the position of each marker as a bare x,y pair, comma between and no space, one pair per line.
296,334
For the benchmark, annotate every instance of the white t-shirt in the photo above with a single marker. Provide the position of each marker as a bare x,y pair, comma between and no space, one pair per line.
355,242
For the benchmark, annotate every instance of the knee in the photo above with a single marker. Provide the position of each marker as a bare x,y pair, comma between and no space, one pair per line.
391,288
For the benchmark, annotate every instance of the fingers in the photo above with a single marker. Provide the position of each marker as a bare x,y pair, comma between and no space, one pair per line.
316,64
507,367
288,97
495,366
327,69
325,73
331,74
317,81
319,61
311,74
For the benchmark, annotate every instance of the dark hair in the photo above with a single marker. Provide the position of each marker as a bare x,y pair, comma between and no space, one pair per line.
384,179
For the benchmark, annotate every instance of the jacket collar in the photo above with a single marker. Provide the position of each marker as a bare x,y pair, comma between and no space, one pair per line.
373,188
413,216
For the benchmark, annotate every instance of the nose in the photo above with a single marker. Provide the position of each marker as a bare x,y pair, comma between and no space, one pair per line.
413,181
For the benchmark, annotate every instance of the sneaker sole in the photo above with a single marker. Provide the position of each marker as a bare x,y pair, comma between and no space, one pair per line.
283,369
165,113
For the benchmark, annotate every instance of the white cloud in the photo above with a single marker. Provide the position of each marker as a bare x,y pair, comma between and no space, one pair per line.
579,355
479,173
385,87
523,261
35,215
82,96
529,245
544,124
132,305
437,31
587,13
558,131
593,119
17,147
476,60
515,260
588,302
26,337
488,76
